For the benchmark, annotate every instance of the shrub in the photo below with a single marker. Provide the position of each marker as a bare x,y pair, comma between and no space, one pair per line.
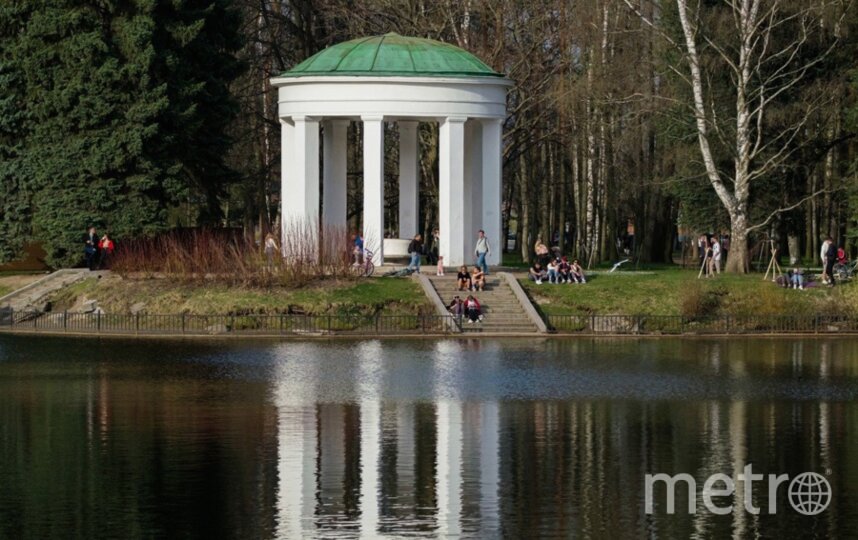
233,258
698,302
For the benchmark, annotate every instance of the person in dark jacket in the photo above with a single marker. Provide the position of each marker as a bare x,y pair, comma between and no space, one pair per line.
415,249
90,248
830,259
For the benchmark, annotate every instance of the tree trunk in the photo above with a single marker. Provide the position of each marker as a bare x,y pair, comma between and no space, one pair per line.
524,217
794,247
737,257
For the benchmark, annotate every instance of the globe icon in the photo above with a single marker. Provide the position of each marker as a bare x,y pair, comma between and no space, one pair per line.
809,493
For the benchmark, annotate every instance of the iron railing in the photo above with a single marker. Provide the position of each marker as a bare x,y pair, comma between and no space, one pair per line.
667,324
286,324
417,324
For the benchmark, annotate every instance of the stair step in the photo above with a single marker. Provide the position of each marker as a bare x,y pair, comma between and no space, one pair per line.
501,308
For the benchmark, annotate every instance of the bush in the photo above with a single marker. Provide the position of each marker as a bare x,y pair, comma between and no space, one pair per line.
699,302
233,258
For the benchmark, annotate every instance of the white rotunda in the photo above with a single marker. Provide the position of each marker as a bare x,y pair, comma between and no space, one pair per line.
406,80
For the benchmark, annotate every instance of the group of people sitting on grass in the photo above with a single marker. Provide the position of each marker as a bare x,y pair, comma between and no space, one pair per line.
469,308
558,270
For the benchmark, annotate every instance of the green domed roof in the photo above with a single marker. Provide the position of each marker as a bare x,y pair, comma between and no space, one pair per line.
393,55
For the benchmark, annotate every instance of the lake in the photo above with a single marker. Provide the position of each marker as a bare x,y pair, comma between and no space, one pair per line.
550,438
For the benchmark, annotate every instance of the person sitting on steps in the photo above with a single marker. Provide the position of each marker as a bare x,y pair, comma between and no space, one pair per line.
478,279
463,279
456,307
473,309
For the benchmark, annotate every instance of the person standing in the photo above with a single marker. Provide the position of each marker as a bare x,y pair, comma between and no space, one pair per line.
433,255
357,251
823,255
830,258
702,251
90,248
415,249
270,250
482,250
105,249
542,253
715,264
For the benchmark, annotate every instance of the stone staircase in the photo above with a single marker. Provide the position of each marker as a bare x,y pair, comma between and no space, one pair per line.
32,297
502,311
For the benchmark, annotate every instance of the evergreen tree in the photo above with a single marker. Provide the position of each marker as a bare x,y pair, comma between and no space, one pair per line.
15,209
117,128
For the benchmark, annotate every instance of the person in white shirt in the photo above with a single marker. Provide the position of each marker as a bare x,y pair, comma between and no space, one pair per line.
823,256
482,250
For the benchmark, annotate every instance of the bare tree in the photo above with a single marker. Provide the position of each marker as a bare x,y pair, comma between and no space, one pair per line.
763,68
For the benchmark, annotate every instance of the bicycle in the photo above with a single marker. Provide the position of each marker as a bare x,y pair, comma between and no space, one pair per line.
845,271
365,268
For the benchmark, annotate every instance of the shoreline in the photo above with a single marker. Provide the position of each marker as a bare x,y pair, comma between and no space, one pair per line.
428,336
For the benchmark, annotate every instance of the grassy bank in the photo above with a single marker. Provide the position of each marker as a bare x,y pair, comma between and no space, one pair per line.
673,291
10,281
388,296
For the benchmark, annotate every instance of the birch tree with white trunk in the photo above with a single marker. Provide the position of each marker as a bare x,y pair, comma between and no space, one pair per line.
763,68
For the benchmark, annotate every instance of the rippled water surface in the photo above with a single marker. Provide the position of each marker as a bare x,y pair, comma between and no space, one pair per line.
482,439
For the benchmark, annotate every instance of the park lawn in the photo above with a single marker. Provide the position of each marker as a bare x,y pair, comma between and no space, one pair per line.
673,291
386,296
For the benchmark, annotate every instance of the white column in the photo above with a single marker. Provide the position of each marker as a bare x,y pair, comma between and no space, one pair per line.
492,186
334,173
300,186
287,147
473,185
451,191
409,178
373,186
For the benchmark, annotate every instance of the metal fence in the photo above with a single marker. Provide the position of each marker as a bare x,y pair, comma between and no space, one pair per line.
286,325
321,325
677,325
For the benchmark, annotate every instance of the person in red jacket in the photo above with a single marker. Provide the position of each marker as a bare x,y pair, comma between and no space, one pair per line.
473,310
105,247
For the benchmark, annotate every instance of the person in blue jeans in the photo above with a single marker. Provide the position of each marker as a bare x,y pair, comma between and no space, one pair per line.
415,249
553,271
796,279
482,250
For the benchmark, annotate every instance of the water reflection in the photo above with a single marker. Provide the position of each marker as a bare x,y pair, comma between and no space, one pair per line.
437,439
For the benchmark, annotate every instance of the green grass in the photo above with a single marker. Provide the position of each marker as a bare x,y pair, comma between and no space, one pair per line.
5,290
512,259
388,296
678,292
